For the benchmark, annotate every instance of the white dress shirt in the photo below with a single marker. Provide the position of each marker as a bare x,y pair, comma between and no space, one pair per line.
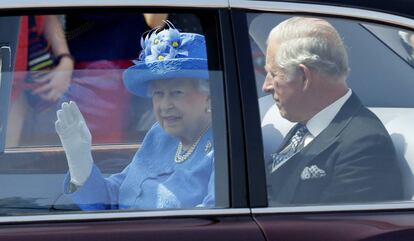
323,118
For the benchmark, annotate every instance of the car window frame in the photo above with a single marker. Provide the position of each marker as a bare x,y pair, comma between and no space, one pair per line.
232,167
257,185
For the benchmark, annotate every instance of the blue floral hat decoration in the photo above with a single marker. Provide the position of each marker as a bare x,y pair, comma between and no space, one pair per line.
167,54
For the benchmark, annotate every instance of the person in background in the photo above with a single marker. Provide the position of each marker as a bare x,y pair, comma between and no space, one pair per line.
103,46
174,166
43,70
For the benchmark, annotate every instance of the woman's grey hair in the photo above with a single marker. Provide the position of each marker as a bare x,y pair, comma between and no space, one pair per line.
311,42
202,85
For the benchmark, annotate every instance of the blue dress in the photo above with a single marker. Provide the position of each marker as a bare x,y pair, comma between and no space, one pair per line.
153,179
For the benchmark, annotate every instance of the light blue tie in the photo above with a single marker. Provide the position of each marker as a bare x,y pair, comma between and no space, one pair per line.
295,145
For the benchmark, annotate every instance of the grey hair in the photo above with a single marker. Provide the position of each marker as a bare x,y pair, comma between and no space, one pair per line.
202,85
311,42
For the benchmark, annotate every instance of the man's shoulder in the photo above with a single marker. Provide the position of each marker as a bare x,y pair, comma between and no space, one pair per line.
365,130
361,120
367,121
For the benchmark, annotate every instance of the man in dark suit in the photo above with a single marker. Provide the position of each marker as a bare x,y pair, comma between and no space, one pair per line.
339,152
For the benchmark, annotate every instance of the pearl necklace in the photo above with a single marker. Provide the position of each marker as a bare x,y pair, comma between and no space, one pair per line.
180,155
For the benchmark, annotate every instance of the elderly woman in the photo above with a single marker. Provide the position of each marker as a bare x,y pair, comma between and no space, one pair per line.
174,166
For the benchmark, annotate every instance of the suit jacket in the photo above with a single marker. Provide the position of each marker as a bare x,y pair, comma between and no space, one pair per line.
354,158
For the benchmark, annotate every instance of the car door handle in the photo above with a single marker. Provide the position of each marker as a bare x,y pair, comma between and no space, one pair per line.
5,63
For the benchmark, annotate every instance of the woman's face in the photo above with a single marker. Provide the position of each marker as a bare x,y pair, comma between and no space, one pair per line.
180,108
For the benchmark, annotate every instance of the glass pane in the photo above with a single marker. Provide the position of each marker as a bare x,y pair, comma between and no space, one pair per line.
335,106
130,102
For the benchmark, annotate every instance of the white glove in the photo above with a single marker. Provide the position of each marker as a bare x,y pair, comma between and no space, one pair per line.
76,140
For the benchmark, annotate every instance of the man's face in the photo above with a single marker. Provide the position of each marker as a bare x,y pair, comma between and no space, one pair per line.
179,107
288,94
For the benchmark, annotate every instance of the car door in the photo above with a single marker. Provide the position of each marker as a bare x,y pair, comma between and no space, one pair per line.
379,50
33,164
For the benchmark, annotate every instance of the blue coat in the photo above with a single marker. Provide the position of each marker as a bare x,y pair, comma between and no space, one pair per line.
153,179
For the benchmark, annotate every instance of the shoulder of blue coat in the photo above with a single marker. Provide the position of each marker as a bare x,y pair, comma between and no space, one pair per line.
156,130
157,136
156,146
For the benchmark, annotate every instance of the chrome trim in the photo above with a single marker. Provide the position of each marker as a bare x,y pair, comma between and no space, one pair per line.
10,4
8,50
336,208
48,149
124,214
1,67
322,9
2,49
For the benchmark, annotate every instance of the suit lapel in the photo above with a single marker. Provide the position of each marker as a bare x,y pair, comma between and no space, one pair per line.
320,143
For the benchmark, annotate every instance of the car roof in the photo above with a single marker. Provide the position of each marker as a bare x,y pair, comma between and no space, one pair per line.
399,7
10,4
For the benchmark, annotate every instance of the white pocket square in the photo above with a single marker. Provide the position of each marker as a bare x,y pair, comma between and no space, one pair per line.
312,172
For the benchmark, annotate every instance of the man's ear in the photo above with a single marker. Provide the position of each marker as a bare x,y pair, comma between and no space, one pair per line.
306,76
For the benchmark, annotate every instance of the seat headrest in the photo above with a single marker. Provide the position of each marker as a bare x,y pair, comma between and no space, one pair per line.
402,135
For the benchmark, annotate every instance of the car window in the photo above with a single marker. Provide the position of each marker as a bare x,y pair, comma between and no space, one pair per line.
128,104
353,147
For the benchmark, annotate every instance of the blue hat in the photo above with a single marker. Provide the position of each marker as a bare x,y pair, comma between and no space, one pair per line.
167,54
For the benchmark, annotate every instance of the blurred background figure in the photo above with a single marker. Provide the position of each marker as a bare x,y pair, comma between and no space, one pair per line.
103,46
43,71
